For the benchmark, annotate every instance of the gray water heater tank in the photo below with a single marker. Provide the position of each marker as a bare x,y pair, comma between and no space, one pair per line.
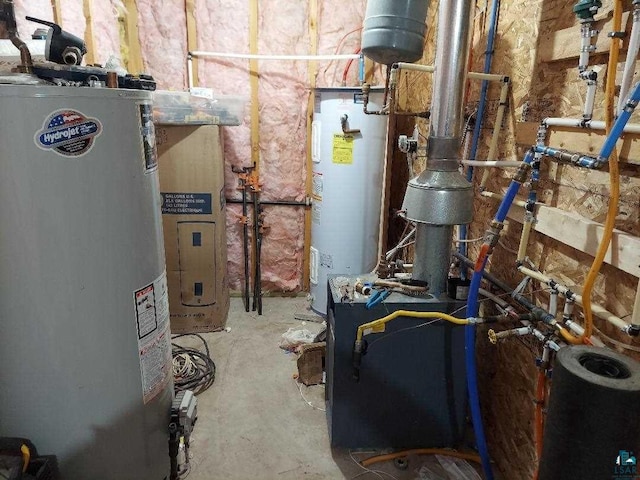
394,31
85,358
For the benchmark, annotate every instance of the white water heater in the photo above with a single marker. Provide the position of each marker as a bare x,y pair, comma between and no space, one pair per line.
85,362
347,186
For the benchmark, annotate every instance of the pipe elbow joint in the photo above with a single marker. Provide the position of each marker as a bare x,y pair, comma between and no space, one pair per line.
633,330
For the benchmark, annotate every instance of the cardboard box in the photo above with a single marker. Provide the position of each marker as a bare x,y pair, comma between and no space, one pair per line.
191,167
311,363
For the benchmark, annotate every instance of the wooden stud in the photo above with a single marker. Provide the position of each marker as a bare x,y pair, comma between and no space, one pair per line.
255,112
312,70
131,52
90,57
585,236
57,11
253,81
192,36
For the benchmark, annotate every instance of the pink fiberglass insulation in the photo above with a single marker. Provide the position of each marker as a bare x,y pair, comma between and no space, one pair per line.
223,26
106,31
339,32
163,40
283,95
34,8
73,17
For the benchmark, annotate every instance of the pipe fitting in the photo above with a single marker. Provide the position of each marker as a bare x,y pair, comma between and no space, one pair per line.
514,332
633,330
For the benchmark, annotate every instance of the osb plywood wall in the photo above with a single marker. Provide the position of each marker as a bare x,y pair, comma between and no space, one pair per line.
539,89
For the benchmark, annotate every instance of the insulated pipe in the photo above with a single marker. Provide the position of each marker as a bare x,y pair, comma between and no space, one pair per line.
498,196
190,71
571,295
591,96
553,303
630,61
591,125
490,77
493,146
255,56
585,46
491,163
635,315
524,238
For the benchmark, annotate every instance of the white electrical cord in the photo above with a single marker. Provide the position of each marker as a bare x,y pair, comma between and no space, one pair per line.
304,398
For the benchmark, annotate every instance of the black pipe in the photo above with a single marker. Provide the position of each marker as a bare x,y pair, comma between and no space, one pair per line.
492,279
256,234
285,203
245,245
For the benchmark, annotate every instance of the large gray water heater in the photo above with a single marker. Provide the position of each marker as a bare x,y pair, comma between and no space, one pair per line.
85,350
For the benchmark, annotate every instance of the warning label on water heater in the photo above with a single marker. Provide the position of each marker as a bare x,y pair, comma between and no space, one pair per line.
154,337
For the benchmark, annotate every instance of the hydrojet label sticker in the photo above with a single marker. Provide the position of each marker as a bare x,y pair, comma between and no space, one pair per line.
68,132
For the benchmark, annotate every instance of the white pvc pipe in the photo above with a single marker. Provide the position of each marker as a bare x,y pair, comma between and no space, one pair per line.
597,310
190,71
630,61
635,315
500,301
491,163
491,77
591,125
252,56
553,303
590,99
585,46
578,330
497,196
493,146
415,67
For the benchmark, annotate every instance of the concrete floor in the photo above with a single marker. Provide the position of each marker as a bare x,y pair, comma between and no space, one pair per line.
253,422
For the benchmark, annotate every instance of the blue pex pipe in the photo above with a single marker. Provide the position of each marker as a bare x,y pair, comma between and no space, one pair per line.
621,121
472,376
470,333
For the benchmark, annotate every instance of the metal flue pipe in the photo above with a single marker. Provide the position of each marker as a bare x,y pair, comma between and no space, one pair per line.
450,75
441,197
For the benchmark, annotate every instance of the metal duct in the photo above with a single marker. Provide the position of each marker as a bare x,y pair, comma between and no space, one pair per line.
440,196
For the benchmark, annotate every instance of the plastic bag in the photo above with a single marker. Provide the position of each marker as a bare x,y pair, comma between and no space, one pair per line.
458,468
294,337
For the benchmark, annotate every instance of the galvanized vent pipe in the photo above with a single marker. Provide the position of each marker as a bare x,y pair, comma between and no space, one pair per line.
441,197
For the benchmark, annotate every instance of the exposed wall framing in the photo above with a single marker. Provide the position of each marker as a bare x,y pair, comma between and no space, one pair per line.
537,46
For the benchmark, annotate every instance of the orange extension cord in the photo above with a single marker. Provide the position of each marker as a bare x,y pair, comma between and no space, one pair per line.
420,451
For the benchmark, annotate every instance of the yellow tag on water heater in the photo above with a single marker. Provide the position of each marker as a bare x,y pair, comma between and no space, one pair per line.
343,149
